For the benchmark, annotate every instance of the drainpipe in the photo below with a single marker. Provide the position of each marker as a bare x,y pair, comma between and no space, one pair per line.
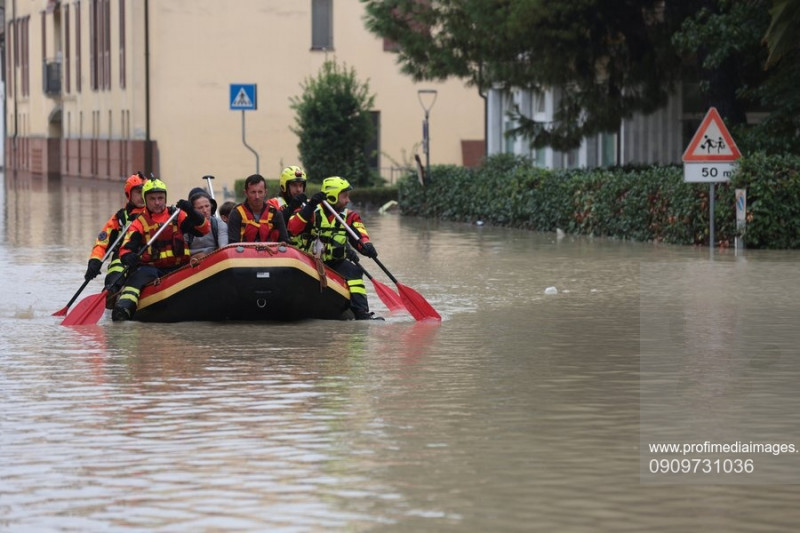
148,147
485,123
14,78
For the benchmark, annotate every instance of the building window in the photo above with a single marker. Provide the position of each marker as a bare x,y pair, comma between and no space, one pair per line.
390,46
322,24
44,36
608,149
107,44
78,47
540,157
25,55
66,50
122,44
100,45
510,139
10,34
93,30
373,148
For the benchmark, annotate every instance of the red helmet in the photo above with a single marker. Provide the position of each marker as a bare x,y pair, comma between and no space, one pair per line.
133,182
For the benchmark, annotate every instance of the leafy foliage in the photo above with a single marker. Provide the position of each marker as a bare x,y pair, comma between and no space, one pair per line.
781,37
334,125
645,203
608,59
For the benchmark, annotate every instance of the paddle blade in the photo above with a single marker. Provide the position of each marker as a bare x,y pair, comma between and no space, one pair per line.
61,312
389,298
88,311
418,306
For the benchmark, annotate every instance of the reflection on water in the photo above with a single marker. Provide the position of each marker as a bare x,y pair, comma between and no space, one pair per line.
519,412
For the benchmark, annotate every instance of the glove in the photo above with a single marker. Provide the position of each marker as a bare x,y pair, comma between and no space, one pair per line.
93,269
351,255
311,205
317,198
185,206
297,201
369,250
130,260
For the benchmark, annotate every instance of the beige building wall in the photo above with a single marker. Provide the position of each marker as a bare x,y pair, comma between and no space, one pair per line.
197,48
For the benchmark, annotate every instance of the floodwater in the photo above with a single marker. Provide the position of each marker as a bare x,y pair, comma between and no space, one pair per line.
531,407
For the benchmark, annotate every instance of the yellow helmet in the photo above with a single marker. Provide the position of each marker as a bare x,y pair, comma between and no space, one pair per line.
154,185
332,187
292,174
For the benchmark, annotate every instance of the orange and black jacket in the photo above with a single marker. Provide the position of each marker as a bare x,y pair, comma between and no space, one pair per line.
108,235
169,249
251,229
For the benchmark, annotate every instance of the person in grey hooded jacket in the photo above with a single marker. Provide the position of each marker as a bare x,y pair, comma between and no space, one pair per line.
214,239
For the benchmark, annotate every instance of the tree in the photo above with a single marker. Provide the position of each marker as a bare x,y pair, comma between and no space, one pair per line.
608,58
781,36
722,45
334,125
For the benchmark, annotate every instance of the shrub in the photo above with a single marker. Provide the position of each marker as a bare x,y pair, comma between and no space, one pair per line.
648,203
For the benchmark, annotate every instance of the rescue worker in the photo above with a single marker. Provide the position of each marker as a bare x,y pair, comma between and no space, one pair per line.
327,238
292,195
254,220
167,253
134,204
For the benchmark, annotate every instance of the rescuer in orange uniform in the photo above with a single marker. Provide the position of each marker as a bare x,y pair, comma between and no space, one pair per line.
108,236
167,253
325,237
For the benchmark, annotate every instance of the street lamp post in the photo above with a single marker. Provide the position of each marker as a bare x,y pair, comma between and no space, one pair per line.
427,97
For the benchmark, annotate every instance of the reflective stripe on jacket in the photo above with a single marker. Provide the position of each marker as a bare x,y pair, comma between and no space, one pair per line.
111,230
333,235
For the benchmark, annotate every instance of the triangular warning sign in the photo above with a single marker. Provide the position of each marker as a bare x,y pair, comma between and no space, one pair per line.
712,142
242,100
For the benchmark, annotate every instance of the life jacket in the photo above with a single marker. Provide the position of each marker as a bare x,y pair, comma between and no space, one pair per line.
170,249
260,230
278,202
280,205
108,235
331,233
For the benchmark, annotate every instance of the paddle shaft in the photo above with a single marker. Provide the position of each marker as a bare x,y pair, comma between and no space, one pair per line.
354,235
419,308
105,257
151,241
91,308
210,187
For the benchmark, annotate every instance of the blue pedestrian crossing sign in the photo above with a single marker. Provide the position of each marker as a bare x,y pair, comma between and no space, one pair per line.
243,96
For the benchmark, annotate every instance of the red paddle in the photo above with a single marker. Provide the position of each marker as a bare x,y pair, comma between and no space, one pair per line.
90,309
418,306
63,310
389,298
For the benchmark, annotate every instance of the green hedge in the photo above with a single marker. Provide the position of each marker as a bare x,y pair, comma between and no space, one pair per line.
638,203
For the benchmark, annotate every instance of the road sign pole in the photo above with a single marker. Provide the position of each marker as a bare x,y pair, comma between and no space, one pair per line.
247,145
741,218
711,216
244,96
